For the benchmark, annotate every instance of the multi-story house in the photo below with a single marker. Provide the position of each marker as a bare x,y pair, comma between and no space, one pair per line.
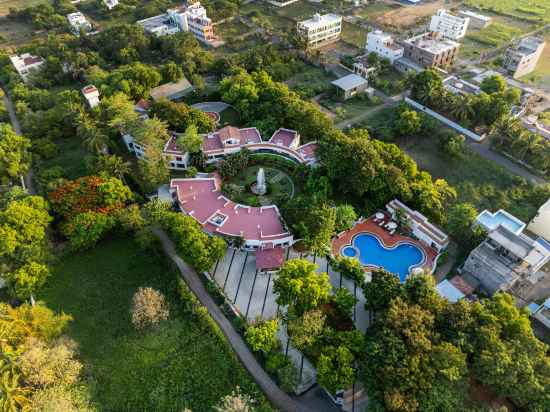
191,18
522,58
78,23
429,50
25,64
383,45
509,259
450,26
320,30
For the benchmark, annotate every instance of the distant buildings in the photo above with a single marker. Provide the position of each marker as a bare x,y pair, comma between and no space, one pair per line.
427,50
383,45
320,30
25,64
78,23
111,4
172,90
477,21
522,58
281,3
191,18
450,26
91,94
350,86
509,259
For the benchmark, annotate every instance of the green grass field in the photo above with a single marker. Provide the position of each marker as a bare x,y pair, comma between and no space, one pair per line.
495,35
354,35
184,363
530,10
5,5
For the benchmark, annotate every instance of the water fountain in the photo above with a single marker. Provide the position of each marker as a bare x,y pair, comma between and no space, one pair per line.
259,188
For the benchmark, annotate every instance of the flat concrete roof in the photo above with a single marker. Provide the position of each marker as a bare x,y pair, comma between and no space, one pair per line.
349,82
172,89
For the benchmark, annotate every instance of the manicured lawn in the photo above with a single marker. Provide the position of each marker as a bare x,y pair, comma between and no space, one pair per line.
182,364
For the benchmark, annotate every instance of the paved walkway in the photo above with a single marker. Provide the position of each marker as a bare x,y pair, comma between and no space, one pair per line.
17,128
275,395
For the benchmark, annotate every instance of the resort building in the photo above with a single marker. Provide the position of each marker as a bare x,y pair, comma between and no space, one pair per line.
78,23
25,64
191,18
172,91
228,140
477,21
383,45
259,227
91,94
430,50
110,4
320,30
450,26
508,259
522,58
419,225
457,86
350,86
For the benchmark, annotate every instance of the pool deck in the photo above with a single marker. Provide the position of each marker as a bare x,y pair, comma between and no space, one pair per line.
370,226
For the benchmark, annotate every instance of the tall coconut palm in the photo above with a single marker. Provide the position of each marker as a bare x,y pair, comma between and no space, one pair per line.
113,165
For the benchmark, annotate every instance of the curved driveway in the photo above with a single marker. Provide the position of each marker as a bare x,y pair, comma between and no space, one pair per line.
275,395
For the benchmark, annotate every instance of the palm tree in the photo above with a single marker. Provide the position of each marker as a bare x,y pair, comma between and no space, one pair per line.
96,141
113,165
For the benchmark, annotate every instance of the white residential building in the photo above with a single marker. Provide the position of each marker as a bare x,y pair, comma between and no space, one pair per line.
383,45
25,64
91,94
540,225
450,26
477,21
78,22
111,4
320,30
522,59
191,18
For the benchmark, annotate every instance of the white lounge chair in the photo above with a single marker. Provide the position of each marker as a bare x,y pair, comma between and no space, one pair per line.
381,223
392,232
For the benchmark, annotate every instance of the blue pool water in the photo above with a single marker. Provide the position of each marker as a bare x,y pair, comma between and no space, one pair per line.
370,252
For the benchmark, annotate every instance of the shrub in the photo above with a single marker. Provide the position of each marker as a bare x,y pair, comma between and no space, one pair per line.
149,308
262,336
236,402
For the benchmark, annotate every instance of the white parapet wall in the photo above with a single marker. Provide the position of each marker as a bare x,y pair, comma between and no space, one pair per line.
443,119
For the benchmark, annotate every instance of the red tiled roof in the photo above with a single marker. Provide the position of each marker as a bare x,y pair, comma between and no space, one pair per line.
216,141
283,137
89,89
271,258
32,60
201,199
143,104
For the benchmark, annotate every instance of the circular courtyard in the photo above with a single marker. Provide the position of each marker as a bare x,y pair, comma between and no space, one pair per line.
279,184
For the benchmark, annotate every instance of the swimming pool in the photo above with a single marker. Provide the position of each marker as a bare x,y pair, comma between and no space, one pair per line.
370,251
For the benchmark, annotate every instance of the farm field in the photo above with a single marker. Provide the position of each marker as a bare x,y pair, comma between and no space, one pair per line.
541,76
5,5
354,35
184,363
529,10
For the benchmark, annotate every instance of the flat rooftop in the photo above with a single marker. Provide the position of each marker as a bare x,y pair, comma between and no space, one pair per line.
432,43
349,82
321,20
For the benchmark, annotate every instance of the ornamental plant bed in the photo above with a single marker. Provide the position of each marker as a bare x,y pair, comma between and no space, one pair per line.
335,318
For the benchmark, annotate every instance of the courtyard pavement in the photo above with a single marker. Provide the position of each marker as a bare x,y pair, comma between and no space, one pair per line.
252,294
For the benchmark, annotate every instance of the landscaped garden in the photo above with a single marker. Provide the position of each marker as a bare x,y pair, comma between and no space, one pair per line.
280,185
184,362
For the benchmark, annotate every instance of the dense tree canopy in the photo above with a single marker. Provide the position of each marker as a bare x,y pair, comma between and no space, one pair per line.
14,154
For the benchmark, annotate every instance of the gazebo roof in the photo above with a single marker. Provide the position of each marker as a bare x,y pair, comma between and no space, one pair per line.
271,258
